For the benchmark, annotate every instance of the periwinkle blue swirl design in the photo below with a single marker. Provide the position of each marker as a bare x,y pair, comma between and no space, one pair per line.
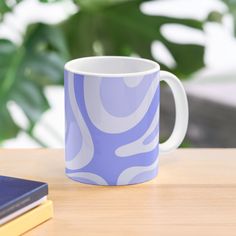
151,136
115,94
121,101
73,137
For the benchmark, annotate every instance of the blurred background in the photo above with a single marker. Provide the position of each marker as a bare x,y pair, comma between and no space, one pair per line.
195,39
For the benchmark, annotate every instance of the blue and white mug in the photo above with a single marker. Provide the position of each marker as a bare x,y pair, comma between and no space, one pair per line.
112,119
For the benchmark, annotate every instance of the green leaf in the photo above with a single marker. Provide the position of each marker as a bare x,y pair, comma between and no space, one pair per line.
7,6
8,128
122,29
79,34
26,70
91,5
4,7
49,1
189,58
31,99
232,10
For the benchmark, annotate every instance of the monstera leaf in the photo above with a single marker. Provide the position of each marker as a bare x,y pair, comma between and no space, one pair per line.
101,27
25,71
120,28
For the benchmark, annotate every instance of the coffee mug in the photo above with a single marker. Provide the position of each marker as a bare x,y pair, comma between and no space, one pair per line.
112,119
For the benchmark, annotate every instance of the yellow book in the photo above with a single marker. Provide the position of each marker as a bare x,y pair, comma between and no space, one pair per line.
28,220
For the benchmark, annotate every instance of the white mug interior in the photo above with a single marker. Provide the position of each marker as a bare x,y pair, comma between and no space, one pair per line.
112,66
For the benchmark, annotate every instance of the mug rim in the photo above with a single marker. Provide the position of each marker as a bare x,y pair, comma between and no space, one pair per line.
155,67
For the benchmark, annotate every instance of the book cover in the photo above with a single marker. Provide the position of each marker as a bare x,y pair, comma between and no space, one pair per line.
18,193
29,220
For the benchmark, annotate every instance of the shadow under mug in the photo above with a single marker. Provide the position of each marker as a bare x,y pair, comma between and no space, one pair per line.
112,119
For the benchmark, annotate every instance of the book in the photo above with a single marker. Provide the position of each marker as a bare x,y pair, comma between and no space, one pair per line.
16,194
22,211
28,220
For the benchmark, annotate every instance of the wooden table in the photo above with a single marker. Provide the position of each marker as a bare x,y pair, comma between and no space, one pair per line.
194,194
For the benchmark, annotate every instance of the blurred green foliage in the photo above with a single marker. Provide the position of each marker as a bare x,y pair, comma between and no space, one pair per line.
232,10
101,27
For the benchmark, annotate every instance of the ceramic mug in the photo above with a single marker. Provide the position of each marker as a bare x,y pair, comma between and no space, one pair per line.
112,119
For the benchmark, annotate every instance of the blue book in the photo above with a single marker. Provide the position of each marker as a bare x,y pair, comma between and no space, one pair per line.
16,194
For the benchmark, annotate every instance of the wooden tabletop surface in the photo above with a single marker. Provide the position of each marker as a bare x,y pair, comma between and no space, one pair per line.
194,194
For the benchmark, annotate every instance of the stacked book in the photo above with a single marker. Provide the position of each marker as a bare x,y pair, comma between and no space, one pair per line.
23,205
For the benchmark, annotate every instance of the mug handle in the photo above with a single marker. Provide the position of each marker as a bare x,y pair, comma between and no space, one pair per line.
181,109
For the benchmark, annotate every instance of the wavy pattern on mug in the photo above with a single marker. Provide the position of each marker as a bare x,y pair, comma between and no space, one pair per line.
109,129
93,178
106,121
139,146
121,97
85,154
129,174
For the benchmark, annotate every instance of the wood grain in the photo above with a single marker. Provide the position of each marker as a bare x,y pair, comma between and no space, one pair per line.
194,194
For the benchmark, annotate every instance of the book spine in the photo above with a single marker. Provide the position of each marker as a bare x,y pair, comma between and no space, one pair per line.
29,220
25,200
